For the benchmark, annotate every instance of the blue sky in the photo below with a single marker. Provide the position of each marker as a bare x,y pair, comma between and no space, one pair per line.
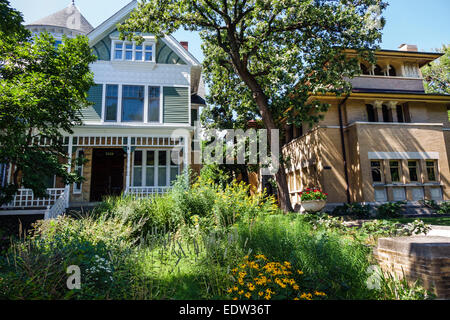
424,23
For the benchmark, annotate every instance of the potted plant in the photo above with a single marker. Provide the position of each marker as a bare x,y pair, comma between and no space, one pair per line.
312,200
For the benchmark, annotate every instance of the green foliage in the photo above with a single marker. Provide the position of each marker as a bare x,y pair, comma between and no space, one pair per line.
42,91
36,268
442,208
390,209
333,264
437,73
395,288
386,228
352,209
187,244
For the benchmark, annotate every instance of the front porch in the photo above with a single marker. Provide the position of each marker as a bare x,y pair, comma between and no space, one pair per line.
139,165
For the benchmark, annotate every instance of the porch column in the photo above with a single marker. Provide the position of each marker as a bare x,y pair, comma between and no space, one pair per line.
393,106
128,177
378,104
69,168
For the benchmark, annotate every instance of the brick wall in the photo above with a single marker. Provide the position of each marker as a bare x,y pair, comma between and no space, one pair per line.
426,259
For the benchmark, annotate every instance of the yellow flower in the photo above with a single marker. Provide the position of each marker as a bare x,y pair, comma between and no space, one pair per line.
296,287
299,272
248,295
261,293
230,290
318,293
235,298
241,292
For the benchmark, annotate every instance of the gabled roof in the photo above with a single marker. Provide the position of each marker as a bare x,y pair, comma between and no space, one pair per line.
110,24
70,18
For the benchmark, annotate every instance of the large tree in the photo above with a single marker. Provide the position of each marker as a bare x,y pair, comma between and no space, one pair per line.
268,57
43,87
437,73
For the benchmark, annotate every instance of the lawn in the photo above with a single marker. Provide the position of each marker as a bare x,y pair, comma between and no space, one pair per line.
438,221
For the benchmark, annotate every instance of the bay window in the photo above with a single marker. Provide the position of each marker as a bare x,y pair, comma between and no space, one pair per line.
111,102
153,104
133,103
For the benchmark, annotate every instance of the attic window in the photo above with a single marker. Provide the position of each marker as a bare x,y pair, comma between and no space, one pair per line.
131,51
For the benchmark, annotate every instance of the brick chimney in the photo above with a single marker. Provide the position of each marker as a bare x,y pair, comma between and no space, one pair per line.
185,45
408,47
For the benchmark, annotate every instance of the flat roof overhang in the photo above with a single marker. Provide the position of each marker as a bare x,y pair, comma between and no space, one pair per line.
397,96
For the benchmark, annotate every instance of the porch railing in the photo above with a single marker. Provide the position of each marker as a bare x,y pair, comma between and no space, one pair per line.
143,192
24,199
58,208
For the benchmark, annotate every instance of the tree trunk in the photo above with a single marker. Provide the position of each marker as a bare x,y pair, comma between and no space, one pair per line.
261,101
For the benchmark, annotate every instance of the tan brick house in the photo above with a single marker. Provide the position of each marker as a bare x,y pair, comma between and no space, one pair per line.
387,141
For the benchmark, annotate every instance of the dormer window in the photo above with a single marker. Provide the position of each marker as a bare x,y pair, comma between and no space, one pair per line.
131,51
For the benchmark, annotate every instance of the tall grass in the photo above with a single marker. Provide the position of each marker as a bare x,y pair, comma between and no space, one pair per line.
334,264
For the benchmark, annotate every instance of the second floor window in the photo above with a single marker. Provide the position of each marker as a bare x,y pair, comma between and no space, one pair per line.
133,103
111,103
130,51
153,104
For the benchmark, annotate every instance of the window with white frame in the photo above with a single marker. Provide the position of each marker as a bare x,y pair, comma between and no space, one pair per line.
111,102
133,103
137,103
77,187
153,168
153,104
132,51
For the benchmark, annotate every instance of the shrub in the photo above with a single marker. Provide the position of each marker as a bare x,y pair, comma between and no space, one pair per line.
390,210
443,208
36,267
352,209
145,216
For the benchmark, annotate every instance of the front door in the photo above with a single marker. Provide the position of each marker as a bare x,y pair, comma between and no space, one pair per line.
107,173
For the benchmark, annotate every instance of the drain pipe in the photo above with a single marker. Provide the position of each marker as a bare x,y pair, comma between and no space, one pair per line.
344,154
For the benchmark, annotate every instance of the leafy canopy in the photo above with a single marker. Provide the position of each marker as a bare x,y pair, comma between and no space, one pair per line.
437,73
265,58
291,49
43,88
